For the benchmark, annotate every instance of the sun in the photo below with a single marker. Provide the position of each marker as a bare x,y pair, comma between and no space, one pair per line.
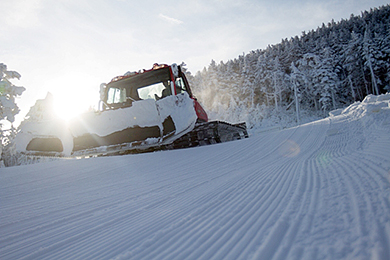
72,99
64,111
67,107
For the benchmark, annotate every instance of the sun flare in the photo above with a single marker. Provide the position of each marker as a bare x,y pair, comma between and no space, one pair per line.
65,112
67,108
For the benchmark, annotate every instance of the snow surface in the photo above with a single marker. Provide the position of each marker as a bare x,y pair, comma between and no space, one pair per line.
317,191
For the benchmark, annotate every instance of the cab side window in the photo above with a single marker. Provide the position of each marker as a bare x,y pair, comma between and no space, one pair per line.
116,95
180,86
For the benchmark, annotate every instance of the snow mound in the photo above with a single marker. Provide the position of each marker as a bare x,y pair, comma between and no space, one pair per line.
372,106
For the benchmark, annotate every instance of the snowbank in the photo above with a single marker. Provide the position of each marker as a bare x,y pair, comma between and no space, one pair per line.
370,104
371,111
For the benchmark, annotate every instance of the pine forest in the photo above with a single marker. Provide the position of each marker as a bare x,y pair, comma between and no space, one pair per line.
308,75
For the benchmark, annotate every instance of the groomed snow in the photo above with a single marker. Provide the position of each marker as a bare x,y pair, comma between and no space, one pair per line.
318,191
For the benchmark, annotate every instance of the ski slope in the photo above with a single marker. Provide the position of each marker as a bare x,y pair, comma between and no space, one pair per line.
317,191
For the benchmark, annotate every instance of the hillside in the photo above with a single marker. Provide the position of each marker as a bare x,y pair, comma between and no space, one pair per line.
321,70
317,191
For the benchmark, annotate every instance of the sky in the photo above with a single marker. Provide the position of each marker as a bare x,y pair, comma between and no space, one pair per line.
70,47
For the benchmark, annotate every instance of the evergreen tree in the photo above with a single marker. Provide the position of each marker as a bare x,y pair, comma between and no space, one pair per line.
8,107
328,80
248,78
353,66
310,91
369,51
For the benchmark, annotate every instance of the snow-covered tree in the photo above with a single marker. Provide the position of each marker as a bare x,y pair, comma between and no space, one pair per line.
8,107
248,77
8,93
328,81
369,50
296,81
353,65
308,66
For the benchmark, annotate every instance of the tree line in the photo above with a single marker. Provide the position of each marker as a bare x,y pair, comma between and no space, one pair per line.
321,70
